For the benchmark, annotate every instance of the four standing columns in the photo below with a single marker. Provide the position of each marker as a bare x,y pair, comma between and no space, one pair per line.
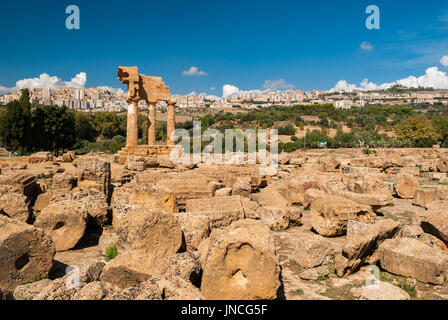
132,124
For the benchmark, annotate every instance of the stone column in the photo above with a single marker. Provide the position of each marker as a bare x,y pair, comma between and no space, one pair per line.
170,123
152,124
132,125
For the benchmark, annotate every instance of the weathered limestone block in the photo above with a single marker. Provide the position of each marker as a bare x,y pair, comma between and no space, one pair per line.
94,202
221,213
40,157
68,157
241,263
26,183
364,245
65,222
31,290
411,258
194,227
442,165
436,223
63,182
424,197
152,230
96,290
26,253
94,172
406,185
329,215
313,251
43,200
13,203
133,267
161,287
380,291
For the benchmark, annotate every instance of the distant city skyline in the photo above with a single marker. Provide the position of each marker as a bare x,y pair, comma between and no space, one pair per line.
221,48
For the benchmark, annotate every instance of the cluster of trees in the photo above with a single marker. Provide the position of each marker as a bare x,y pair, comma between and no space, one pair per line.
26,128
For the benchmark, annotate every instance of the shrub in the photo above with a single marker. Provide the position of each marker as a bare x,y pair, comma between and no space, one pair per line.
111,252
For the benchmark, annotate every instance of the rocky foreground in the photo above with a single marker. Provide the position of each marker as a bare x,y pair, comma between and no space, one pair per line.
335,224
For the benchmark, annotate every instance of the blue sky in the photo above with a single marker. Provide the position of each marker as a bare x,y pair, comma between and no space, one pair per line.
309,44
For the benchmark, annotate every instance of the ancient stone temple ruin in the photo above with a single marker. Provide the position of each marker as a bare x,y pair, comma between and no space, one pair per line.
151,90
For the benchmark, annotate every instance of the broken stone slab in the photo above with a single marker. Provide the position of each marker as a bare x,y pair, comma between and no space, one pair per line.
411,258
152,230
329,215
363,245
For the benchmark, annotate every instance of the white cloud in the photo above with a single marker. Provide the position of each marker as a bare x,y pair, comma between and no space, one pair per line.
366,46
46,81
277,84
433,78
193,93
444,61
212,88
229,90
193,71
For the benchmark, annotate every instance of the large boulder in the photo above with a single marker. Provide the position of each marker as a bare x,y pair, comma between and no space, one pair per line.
436,223
133,267
160,287
151,230
329,215
63,182
363,245
406,185
40,157
26,253
380,291
221,213
442,165
195,228
411,258
241,263
94,172
26,183
64,222
313,250
424,197
132,196
94,202
13,203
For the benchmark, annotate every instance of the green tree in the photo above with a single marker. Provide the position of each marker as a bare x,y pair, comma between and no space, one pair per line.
417,129
53,128
16,126
441,124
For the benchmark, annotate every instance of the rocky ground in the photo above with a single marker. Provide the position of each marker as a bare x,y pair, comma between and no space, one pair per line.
332,224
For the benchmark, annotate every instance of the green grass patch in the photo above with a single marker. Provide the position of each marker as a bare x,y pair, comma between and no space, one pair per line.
45,176
111,252
299,292
35,279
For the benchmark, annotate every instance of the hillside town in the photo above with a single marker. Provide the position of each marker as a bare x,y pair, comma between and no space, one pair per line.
111,100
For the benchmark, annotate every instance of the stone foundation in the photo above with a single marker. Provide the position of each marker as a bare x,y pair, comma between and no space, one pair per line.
143,151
